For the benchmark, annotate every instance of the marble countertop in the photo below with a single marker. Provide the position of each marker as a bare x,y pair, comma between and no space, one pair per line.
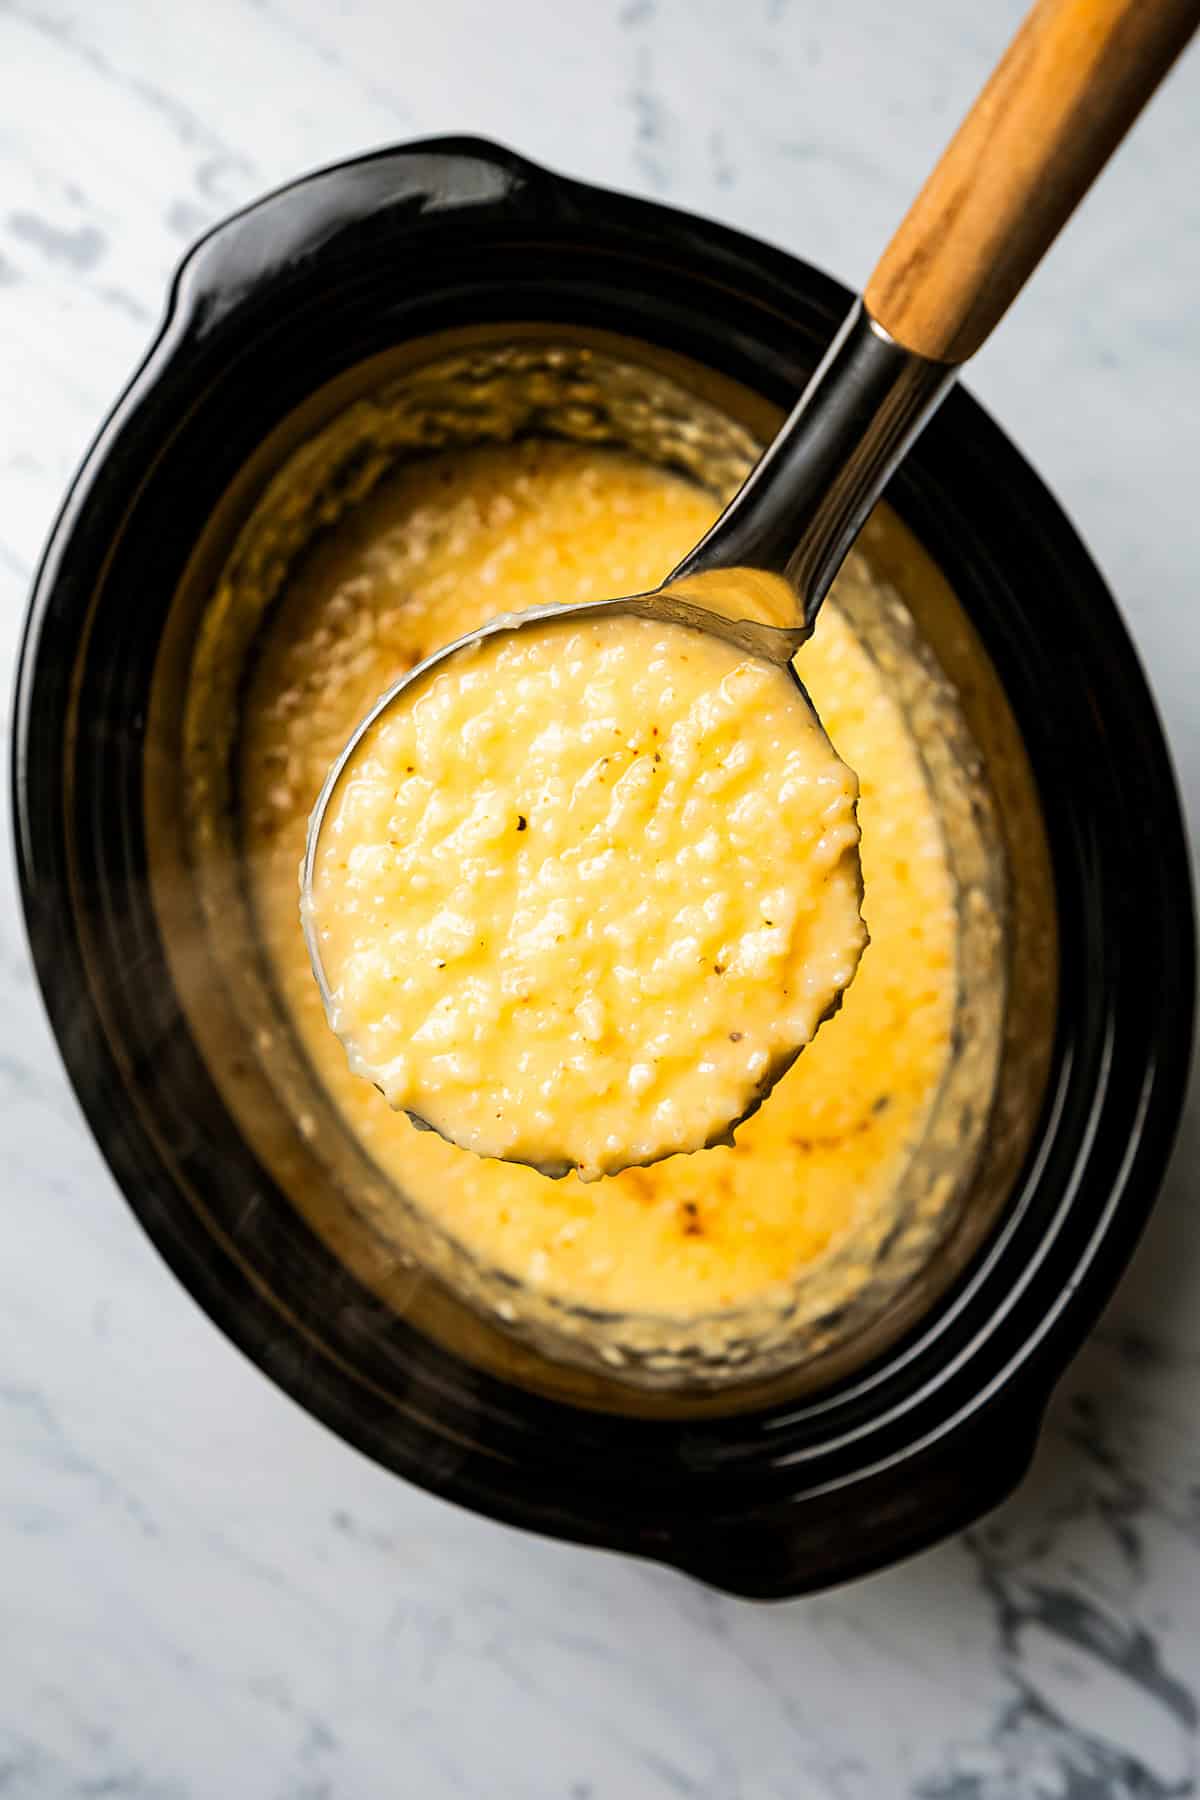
204,1593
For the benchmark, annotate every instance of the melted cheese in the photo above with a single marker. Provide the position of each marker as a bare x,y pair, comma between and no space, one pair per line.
581,894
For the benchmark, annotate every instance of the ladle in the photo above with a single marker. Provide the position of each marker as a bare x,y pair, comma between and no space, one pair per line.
1066,91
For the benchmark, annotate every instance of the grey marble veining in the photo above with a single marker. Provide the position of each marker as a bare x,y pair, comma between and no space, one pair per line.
205,1594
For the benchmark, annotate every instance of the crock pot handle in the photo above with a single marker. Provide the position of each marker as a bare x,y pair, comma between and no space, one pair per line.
871,1521
365,208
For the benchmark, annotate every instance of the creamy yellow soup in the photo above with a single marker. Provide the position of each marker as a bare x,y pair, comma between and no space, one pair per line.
581,893
441,548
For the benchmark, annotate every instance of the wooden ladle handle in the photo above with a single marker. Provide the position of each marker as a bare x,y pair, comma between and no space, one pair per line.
1069,86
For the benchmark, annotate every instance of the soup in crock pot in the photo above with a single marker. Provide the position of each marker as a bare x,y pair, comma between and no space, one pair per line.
440,547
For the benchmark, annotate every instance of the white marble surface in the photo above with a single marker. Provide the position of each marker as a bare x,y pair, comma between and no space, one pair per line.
203,1593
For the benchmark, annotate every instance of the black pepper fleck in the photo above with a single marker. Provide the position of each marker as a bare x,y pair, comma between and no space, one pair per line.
522,822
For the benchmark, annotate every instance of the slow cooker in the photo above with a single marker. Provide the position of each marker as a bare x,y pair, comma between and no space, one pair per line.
495,298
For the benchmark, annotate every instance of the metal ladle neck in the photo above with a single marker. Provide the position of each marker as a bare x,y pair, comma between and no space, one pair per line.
806,500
